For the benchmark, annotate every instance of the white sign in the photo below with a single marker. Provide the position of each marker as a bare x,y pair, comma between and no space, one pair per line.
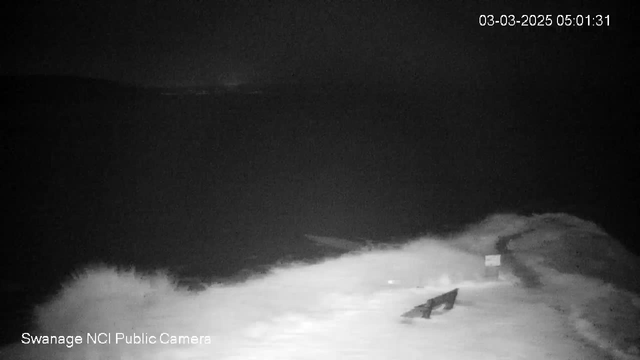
492,260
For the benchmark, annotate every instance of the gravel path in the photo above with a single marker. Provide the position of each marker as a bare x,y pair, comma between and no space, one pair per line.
528,276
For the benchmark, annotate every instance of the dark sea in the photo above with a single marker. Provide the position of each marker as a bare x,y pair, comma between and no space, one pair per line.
206,185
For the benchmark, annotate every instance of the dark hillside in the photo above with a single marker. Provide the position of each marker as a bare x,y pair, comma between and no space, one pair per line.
56,89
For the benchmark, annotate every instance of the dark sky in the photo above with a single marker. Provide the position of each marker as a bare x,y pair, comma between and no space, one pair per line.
185,42
543,109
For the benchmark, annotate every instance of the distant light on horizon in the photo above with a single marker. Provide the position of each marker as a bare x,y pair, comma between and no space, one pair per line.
232,80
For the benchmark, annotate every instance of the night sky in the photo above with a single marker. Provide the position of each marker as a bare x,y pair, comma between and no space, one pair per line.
203,42
494,114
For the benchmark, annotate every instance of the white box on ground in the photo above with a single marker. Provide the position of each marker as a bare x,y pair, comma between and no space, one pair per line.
492,260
